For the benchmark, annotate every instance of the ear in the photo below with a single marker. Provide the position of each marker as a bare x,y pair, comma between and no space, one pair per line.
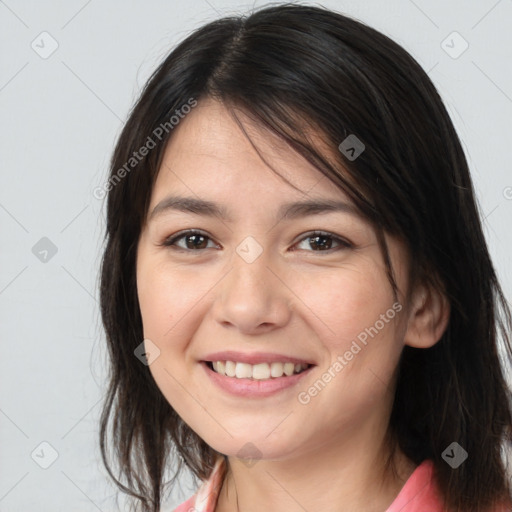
429,314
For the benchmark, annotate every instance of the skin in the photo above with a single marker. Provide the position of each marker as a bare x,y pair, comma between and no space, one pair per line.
295,299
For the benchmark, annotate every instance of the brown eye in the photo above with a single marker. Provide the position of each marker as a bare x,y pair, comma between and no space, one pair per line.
192,240
320,241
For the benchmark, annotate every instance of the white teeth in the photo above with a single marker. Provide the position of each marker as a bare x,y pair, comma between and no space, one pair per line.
260,371
230,368
276,369
289,368
243,371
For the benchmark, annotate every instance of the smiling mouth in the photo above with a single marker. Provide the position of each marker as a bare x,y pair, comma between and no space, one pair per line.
261,371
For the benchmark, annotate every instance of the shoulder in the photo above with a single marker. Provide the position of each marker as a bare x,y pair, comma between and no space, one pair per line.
205,499
420,492
187,506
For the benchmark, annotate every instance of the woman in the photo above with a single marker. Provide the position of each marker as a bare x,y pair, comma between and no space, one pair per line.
297,295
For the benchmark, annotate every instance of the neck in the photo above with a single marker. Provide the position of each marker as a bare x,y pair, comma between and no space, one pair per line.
338,476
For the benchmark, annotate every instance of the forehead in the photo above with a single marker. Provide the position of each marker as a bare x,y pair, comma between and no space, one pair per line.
209,155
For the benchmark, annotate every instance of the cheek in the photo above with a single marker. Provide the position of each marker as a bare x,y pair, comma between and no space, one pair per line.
164,298
349,300
167,300
172,300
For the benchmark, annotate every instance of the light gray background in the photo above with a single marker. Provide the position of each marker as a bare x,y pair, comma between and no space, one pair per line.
60,116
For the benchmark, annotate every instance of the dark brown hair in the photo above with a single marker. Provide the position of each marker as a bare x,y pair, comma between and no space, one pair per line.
286,67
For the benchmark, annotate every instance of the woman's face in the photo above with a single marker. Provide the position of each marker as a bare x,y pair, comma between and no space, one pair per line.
257,285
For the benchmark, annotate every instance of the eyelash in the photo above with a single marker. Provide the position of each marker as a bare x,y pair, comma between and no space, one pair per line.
343,244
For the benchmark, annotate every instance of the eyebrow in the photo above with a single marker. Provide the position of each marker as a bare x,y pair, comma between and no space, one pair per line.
288,211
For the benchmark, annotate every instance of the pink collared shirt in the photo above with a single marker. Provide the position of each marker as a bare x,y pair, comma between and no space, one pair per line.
419,493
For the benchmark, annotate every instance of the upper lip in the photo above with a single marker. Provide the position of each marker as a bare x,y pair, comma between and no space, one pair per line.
254,358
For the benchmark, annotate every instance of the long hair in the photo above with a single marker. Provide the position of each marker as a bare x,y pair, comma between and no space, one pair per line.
288,67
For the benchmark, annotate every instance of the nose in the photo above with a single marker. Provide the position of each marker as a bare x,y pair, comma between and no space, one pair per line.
253,298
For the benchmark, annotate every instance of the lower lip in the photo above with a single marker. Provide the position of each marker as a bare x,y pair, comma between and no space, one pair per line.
253,387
